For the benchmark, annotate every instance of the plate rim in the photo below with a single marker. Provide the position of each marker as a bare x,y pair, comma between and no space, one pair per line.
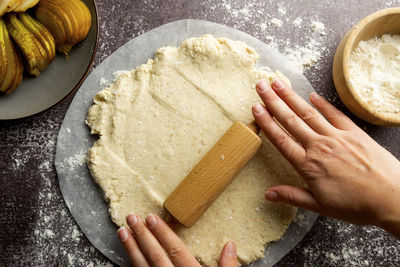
81,80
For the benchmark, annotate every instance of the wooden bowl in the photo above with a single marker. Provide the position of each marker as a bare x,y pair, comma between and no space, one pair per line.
376,24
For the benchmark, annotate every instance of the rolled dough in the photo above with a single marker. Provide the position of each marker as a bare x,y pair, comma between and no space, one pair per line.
158,120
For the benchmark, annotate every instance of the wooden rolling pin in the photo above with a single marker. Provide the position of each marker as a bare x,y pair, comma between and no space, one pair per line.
212,175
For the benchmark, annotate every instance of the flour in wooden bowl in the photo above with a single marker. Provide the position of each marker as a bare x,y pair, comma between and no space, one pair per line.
374,70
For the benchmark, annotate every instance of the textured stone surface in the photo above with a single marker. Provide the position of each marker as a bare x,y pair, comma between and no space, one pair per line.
36,227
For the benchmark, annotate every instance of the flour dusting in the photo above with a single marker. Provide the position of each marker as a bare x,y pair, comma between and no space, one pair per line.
305,56
276,22
297,22
104,82
318,26
281,11
75,161
119,73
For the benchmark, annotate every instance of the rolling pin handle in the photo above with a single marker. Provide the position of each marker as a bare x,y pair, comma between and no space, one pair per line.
254,127
171,221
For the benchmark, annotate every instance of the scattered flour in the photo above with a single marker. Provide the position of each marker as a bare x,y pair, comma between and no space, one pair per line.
299,219
332,257
263,26
49,233
245,12
104,82
318,26
276,22
19,159
45,166
305,56
297,22
281,11
119,73
76,234
55,235
46,218
75,161
18,163
348,251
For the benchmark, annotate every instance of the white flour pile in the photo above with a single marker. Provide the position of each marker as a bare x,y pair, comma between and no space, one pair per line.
374,73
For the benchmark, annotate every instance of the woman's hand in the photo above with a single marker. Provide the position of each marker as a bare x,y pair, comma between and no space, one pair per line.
349,176
153,243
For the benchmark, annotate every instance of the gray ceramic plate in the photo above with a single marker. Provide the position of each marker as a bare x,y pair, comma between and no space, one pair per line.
62,78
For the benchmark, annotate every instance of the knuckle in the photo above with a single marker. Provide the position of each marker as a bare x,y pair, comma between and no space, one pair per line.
335,114
270,95
264,121
325,149
156,256
311,165
323,146
280,141
310,169
309,114
160,232
287,91
290,120
290,198
176,251
138,231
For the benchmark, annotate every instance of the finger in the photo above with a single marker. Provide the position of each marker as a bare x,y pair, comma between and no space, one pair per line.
332,114
289,148
294,196
285,116
131,247
148,244
228,256
172,244
304,110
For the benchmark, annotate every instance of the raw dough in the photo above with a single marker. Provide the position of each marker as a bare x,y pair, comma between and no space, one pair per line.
156,122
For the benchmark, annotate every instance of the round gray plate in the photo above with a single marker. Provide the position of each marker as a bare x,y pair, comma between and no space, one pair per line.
62,78
81,194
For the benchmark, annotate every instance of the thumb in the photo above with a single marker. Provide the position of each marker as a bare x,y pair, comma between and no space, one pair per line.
295,196
228,256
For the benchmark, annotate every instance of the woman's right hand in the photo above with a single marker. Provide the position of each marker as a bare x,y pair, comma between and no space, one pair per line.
349,175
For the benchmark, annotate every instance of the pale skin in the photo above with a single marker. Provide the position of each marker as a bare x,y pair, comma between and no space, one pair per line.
349,176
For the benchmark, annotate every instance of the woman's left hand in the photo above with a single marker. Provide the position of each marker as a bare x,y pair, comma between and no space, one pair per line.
153,243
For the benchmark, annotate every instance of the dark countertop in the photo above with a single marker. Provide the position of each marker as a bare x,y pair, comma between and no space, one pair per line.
36,226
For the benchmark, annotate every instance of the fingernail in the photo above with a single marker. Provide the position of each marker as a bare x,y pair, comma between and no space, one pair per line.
278,84
271,195
258,109
315,96
123,234
262,86
151,221
131,219
231,249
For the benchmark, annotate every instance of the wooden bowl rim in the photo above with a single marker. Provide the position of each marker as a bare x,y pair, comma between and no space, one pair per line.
354,32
